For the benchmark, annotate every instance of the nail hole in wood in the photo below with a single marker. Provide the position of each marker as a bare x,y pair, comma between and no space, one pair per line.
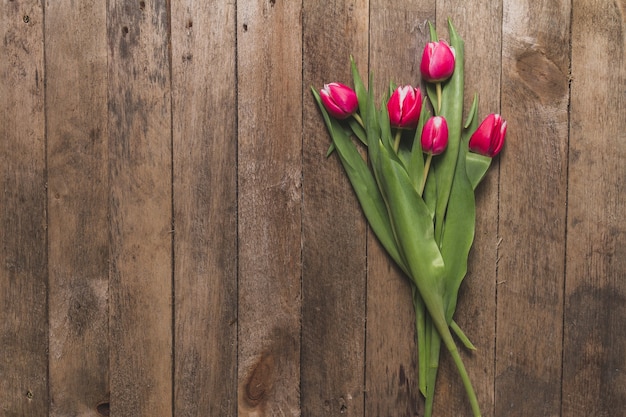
29,394
125,30
245,27
189,24
103,409
142,5
26,18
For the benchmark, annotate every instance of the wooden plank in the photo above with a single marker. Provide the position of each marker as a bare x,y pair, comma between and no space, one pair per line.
78,237
535,95
205,207
23,263
594,383
480,27
269,74
398,32
334,231
140,208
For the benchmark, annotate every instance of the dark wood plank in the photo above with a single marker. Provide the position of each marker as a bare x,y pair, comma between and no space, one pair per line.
533,169
594,359
140,208
205,207
480,27
334,231
269,70
398,32
23,263
78,235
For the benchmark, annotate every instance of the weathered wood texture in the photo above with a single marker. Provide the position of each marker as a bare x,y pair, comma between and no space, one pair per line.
78,234
204,94
140,204
269,172
532,215
175,242
333,293
23,243
594,342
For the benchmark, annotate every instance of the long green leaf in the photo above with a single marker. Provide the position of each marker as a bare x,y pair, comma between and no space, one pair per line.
452,111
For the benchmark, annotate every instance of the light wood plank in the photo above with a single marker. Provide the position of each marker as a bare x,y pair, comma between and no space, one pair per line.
269,48
23,263
141,208
78,235
398,32
480,26
205,207
535,94
334,231
594,383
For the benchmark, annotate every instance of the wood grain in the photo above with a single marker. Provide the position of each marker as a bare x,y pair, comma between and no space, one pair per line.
333,230
594,383
23,258
269,73
535,95
205,207
139,127
398,32
78,234
171,231
476,309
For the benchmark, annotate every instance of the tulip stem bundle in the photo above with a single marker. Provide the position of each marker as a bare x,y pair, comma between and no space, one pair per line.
419,199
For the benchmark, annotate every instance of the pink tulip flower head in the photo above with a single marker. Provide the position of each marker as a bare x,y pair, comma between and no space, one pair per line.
489,137
437,62
435,135
404,107
339,100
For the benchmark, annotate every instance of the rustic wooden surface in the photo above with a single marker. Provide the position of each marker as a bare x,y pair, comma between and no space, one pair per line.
174,240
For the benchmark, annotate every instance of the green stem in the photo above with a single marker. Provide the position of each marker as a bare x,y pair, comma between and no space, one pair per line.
396,142
439,320
426,169
438,86
420,325
433,367
358,119
446,336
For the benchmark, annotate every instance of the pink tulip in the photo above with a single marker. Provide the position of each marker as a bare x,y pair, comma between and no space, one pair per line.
404,107
435,135
489,137
437,62
339,99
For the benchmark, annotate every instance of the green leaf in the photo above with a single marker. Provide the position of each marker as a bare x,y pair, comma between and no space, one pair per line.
416,161
412,227
358,130
361,92
452,110
476,166
433,32
471,116
458,233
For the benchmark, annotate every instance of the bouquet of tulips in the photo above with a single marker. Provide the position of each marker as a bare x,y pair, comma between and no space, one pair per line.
417,192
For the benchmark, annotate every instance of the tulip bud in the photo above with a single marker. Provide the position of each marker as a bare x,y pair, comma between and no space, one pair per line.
339,99
437,62
404,107
435,135
489,137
